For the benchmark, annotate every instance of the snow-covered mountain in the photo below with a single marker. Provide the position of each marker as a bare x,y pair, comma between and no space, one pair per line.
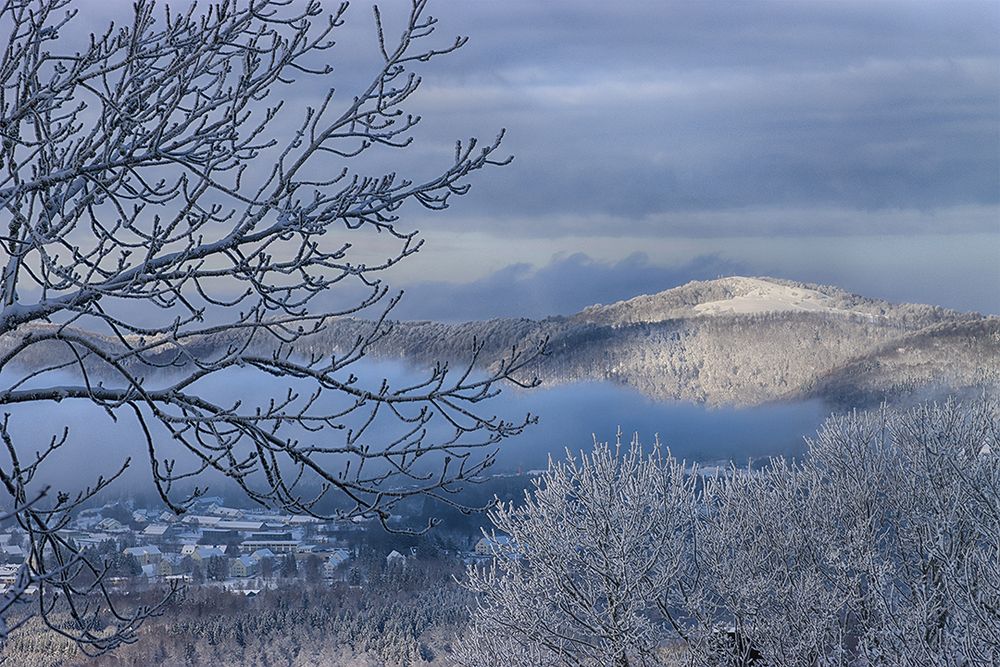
740,295
738,341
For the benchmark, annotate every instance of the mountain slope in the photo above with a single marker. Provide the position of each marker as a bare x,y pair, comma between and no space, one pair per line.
736,341
739,341
739,295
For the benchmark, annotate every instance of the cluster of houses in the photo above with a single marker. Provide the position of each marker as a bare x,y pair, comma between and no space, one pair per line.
213,542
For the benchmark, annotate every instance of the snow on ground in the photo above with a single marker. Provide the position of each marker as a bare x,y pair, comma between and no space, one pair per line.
755,296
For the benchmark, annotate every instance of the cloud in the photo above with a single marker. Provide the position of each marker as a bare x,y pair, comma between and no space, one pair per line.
661,121
661,111
740,221
564,286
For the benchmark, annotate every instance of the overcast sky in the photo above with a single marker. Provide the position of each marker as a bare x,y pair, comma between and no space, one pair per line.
853,143
849,143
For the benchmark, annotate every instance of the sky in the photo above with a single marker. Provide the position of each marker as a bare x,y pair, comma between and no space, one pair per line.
852,143
846,143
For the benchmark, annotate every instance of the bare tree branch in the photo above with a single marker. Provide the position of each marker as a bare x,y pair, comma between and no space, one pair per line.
160,194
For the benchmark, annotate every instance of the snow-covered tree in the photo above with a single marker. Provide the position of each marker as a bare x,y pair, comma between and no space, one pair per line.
162,193
579,568
910,505
880,548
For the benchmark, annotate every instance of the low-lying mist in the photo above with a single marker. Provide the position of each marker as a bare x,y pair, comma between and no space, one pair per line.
570,416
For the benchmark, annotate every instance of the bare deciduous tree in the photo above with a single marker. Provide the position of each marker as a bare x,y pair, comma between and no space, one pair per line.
159,192
880,548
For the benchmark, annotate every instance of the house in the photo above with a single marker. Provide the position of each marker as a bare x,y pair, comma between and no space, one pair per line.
213,536
110,525
277,546
487,546
170,565
92,539
12,553
203,552
8,574
279,536
276,542
146,555
187,537
157,532
208,501
244,566
150,571
395,559
262,554
240,526
336,558
225,512
201,519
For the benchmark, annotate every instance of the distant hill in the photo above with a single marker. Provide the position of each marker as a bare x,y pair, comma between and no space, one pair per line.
758,296
740,341
737,341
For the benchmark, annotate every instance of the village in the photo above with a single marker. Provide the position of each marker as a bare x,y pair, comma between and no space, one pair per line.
239,550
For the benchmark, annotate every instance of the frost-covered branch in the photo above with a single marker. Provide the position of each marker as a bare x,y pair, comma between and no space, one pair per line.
171,221
880,548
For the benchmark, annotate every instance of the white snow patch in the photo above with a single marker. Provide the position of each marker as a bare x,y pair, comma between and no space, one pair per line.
754,296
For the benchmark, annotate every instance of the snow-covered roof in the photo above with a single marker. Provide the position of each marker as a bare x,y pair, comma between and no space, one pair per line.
148,550
239,525
202,520
338,556
231,512
205,551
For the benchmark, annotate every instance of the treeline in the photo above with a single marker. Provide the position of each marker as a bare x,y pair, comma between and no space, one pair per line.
880,548
398,616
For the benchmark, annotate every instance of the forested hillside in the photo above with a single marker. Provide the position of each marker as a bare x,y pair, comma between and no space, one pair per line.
737,341
729,341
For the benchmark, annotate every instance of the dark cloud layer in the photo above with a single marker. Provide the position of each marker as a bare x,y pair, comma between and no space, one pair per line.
695,119
640,109
658,112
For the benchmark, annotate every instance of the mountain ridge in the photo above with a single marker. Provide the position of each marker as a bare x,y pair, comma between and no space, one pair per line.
750,295
736,341
785,340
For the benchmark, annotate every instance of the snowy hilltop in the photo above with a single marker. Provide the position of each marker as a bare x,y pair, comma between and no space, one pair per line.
737,340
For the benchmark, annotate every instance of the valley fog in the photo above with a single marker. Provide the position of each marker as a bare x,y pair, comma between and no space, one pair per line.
570,416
